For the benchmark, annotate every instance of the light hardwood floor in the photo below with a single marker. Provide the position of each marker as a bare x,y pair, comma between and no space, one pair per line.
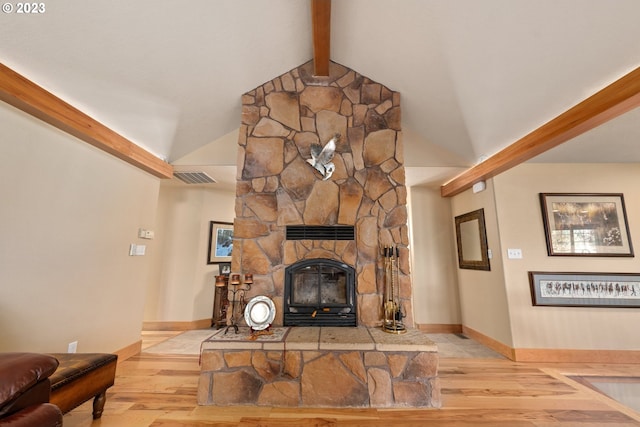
160,391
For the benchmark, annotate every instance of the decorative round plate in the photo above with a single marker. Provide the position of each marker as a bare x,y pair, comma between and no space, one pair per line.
259,313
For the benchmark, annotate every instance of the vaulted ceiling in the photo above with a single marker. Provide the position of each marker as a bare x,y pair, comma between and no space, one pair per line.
474,75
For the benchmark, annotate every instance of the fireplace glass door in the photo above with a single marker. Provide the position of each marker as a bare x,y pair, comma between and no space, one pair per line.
319,293
319,285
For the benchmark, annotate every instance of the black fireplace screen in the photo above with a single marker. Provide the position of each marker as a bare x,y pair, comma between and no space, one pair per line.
320,292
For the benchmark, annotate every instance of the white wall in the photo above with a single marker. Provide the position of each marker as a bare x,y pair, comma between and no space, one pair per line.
483,296
68,214
433,253
182,283
521,226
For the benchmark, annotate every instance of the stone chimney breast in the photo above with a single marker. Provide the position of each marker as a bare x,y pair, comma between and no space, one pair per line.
277,186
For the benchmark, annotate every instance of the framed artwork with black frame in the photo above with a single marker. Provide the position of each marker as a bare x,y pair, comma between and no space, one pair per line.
224,268
220,242
585,289
587,224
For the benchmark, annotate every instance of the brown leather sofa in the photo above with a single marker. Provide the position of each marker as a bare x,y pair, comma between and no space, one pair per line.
25,390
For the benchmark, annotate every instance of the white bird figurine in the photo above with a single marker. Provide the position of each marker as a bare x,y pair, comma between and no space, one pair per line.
321,157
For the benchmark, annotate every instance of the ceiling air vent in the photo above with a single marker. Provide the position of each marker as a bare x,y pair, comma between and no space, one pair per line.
194,177
320,232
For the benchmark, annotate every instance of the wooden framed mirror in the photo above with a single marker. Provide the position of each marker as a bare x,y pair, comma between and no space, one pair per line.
471,236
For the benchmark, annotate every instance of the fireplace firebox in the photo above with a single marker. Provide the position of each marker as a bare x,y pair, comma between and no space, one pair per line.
320,292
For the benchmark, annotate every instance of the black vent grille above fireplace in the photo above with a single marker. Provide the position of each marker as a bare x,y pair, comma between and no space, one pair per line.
320,232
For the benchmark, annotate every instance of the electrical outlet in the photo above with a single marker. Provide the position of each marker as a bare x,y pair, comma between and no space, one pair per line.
73,346
514,253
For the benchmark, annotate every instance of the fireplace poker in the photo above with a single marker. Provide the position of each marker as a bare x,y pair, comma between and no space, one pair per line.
394,277
388,294
392,312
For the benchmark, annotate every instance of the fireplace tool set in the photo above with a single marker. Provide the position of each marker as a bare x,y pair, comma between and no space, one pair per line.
237,298
393,312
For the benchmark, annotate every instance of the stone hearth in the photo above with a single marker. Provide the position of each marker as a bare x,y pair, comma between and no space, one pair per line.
320,367
276,187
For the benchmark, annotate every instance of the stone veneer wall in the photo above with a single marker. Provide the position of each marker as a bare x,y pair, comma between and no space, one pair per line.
322,367
276,187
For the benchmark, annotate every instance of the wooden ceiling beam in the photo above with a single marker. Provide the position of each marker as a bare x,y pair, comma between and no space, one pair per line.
321,20
619,97
25,95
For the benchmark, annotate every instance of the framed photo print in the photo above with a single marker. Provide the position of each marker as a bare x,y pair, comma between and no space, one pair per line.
220,242
586,225
224,268
585,289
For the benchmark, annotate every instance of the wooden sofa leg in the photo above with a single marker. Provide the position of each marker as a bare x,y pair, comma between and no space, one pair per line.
98,404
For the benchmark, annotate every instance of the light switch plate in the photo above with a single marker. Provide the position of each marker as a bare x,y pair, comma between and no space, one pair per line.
137,250
514,253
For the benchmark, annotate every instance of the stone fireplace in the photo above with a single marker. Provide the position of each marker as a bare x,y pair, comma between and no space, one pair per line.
315,247
277,188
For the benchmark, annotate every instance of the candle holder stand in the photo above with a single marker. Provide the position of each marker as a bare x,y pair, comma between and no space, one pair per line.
237,291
